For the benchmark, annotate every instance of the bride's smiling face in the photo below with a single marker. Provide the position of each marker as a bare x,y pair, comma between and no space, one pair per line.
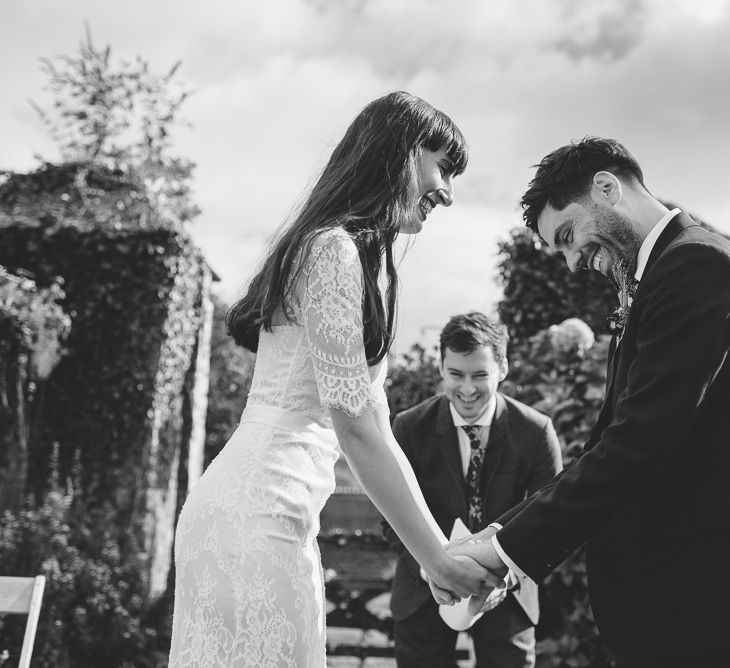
435,173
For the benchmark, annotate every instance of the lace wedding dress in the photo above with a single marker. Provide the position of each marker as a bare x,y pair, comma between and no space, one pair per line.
249,588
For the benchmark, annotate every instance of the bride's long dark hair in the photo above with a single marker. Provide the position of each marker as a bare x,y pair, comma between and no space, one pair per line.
368,188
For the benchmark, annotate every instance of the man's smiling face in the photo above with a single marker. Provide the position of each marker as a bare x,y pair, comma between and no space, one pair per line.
471,379
591,236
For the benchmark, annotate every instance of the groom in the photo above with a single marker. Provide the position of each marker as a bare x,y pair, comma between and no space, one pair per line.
650,497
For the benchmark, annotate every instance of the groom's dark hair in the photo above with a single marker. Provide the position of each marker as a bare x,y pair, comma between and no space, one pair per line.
468,332
565,175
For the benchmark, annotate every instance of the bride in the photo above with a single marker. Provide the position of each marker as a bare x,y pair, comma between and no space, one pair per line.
249,588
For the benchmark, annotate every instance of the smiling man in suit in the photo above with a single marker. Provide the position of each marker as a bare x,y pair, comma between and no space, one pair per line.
650,496
475,453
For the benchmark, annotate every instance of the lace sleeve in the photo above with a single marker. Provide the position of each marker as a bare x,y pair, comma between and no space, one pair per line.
331,314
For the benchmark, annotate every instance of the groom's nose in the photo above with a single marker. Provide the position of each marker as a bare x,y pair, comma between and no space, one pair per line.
573,258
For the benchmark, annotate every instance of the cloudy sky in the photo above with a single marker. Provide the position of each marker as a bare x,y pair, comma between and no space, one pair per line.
277,82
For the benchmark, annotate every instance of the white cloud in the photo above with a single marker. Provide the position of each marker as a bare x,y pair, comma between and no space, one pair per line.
277,83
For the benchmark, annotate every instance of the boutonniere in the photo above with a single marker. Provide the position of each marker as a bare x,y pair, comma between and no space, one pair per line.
626,284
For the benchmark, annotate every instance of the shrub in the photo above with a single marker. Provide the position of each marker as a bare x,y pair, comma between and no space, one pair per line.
33,328
133,288
93,611
412,378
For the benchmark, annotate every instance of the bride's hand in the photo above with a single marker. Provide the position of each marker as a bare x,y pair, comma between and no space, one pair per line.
487,601
460,576
441,596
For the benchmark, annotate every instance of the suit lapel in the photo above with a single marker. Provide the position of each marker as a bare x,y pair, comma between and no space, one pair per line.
673,228
612,366
606,412
680,222
449,444
499,437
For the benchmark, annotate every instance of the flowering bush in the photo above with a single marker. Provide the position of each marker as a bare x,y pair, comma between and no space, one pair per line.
572,337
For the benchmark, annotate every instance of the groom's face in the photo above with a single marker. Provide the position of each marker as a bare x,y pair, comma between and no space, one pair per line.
591,236
471,379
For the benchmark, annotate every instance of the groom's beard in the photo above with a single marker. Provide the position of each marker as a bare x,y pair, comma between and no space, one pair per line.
621,241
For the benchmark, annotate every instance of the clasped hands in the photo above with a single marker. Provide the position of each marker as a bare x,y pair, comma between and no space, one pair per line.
482,575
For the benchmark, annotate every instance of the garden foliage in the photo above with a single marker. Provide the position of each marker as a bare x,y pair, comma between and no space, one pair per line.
94,610
121,115
116,408
132,288
98,242
33,328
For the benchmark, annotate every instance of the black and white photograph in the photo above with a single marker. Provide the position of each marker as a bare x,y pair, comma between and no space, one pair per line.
365,334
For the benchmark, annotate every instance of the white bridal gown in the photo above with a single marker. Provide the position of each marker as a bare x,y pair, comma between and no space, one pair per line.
249,589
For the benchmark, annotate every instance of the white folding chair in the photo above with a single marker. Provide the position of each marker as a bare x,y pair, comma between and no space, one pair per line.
23,596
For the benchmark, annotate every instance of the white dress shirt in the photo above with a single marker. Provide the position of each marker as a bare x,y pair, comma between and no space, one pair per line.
645,250
641,259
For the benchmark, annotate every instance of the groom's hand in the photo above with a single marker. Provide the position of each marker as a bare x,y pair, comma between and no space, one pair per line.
463,577
479,547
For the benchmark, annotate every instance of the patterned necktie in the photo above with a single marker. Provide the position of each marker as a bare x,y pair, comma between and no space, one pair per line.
474,476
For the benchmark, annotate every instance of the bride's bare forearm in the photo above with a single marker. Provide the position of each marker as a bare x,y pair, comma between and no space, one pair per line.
387,477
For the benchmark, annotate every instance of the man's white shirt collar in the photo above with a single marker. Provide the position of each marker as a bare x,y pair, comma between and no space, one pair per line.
645,250
484,420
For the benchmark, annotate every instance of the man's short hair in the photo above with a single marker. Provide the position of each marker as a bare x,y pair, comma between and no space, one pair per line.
566,174
468,332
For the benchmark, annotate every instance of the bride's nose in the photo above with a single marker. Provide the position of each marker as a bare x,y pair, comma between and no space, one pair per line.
446,192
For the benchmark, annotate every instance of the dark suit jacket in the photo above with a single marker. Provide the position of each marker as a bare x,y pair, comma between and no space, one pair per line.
523,454
650,496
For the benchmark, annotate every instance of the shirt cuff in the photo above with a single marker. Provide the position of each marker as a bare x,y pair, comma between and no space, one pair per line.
507,561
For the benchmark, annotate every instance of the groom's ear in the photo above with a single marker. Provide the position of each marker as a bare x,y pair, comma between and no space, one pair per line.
606,189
